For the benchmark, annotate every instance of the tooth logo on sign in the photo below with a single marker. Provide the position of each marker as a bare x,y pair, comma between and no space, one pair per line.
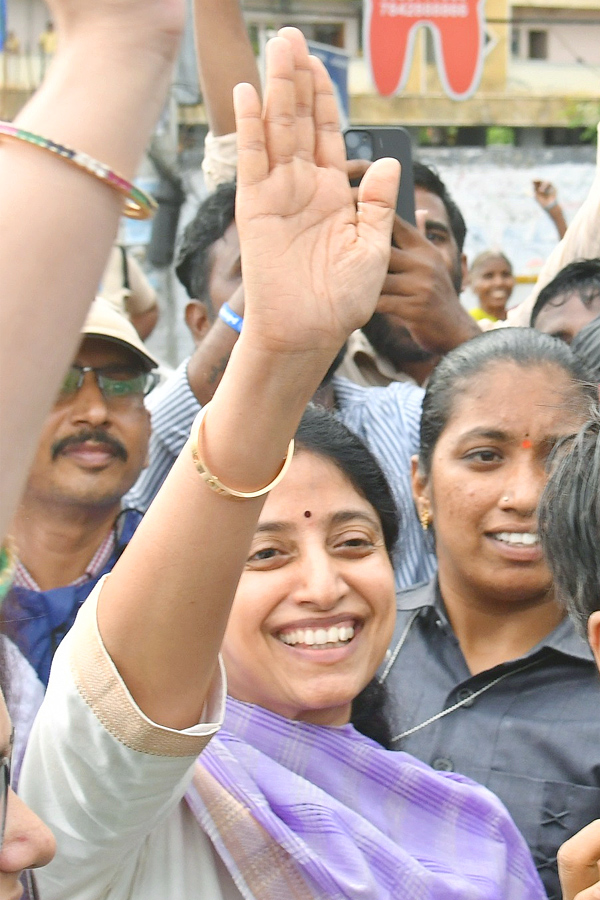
458,34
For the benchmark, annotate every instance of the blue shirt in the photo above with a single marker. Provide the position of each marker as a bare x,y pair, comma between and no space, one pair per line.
37,621
386,418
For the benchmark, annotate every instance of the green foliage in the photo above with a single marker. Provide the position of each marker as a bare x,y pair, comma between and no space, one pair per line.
584,114
499,134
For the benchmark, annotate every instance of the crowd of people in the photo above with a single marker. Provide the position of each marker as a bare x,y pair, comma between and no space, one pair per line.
318,617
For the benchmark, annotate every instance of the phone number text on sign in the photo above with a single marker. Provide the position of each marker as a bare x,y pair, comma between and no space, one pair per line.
423,9
457,28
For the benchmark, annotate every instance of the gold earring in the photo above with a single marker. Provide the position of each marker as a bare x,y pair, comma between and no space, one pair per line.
425,518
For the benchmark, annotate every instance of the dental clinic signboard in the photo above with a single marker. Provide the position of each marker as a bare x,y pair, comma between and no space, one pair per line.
458,33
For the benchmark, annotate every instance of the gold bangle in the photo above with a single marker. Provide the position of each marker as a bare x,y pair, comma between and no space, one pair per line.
213,481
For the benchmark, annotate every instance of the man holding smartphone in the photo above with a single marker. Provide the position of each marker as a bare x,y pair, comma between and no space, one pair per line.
419,316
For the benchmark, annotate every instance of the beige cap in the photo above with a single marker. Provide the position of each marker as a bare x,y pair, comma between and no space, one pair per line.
104,321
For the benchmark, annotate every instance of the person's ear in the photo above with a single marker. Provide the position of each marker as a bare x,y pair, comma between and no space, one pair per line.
197,319
593,630
464,270
421,494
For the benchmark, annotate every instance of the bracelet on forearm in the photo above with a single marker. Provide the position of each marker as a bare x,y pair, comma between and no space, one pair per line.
138,204
214,482
231,318
551,205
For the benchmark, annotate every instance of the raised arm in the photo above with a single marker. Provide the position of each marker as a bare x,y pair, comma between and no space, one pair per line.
313,268
546,195
59,222
225,58
581,241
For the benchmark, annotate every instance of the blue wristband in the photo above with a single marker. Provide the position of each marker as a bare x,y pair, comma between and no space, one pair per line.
231,318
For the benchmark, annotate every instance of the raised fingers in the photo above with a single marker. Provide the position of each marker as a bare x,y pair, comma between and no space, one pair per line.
279,108
377,195
304,92
356,168
406,235
253,162
329,143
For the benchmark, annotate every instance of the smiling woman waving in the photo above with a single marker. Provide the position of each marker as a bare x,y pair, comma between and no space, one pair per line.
289,800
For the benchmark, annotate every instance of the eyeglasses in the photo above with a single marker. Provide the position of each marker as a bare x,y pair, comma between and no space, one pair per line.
4,786
115,382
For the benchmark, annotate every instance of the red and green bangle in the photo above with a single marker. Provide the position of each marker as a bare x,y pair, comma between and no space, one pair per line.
138,204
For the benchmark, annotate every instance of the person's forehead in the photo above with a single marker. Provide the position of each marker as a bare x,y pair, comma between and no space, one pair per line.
491,264
566,315
310,471
433,204
100,351
228,246
495,399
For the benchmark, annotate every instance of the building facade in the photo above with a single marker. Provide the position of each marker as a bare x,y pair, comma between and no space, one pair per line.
540,79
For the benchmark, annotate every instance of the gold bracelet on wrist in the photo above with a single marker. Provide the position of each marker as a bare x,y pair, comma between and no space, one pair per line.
213,481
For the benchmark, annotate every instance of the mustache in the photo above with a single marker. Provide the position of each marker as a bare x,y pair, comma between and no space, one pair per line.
94,435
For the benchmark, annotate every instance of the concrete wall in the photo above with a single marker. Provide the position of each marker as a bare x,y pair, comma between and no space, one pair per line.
27,18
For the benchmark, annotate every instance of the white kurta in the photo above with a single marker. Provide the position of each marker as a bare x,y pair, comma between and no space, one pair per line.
109,783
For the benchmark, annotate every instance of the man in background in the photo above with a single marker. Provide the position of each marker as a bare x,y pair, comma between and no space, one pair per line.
71,525
570,301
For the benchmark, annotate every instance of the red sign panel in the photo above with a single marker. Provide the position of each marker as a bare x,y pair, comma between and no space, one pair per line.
458,35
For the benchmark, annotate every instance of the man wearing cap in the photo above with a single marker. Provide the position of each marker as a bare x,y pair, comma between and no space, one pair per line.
70,527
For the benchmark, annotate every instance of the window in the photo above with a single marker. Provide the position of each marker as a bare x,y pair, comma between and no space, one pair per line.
538,45
329,34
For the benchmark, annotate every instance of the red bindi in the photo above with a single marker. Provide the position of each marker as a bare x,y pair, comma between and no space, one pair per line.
526,445
307,514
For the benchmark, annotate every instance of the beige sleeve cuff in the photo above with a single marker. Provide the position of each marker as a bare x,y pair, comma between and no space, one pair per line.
104,691
220,159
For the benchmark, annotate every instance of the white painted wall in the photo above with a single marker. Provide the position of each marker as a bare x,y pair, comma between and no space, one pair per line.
27,18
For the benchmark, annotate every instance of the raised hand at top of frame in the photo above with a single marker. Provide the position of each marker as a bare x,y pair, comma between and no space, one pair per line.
313,262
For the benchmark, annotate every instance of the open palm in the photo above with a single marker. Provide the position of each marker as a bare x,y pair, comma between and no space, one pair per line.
313,264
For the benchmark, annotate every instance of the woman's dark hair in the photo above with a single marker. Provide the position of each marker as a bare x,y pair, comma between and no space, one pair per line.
321,433
586,347
523,347
370,713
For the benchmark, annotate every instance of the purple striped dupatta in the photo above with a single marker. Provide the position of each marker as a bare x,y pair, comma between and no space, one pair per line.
304,812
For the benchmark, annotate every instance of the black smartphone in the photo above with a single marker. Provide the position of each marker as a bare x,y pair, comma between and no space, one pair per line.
374,142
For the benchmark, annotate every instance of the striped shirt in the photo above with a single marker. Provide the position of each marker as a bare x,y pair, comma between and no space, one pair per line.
23,578
387,419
